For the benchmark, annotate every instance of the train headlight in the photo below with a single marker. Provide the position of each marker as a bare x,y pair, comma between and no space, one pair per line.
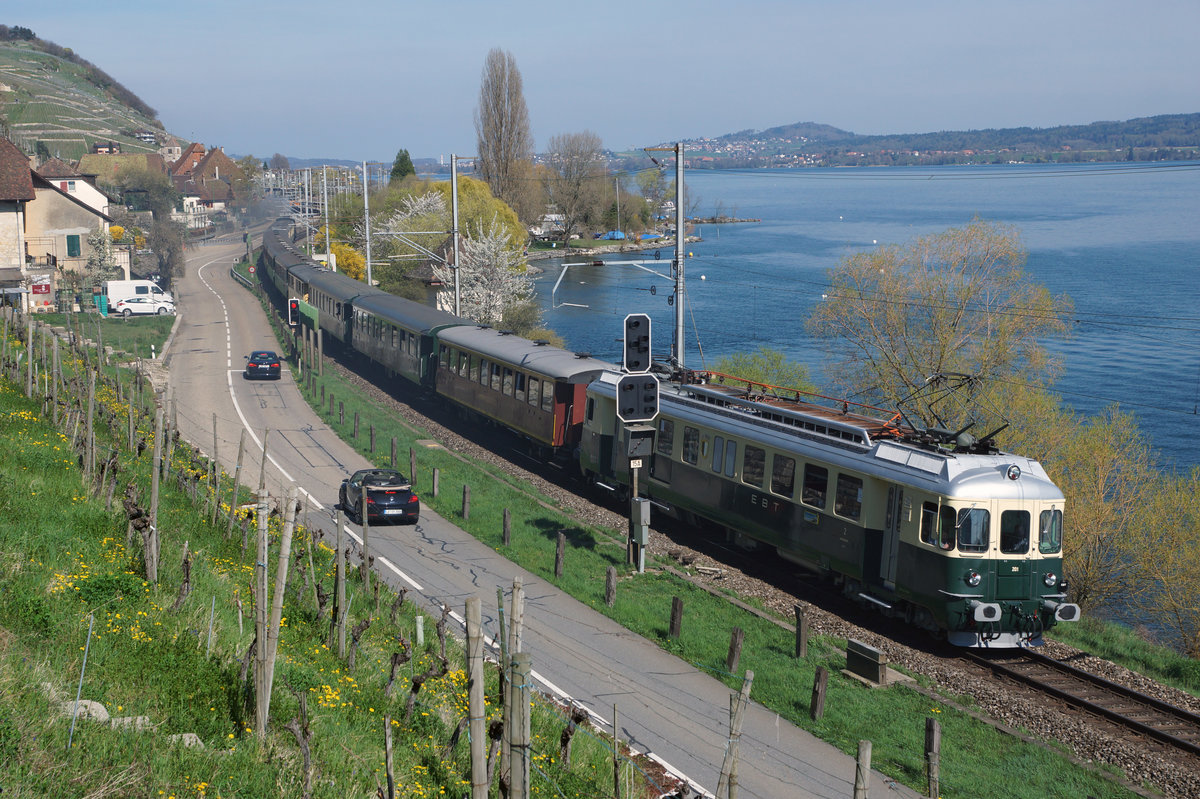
1051,579
1014,472
973,578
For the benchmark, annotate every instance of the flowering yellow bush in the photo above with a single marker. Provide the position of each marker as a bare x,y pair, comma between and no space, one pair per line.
117,232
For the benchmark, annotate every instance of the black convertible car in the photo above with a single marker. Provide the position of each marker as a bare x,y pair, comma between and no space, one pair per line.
389,497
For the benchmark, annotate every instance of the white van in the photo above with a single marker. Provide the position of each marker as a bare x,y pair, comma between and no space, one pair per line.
118,290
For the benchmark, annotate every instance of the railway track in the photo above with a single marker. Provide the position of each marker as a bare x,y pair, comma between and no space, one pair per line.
1145,715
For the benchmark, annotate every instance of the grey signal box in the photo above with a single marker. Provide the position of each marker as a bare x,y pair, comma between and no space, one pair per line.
637,397
637,343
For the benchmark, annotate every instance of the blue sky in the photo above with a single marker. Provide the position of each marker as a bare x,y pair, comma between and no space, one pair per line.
359,79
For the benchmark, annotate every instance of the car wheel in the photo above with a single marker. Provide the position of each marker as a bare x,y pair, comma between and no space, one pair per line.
162,311
126,313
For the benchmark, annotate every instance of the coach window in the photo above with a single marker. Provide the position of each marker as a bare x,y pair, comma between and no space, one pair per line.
445,356
691,444
547,396
520,385
753,463
937,526
473,370
816,485
973,524
534,387
718,453
730,458
666,437
848,499
1014,532
507,387
783,475
591,408
396,338
1050,532
464,364
495,384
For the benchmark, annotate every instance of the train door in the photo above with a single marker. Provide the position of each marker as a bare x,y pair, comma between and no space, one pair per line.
891,536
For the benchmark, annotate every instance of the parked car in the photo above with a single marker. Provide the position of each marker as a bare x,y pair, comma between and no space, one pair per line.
389,497
262,364
147,305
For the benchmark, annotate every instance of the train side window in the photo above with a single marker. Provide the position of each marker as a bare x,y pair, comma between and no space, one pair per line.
520,386
973,529
495,377
535,396
396,333
816,485
591,408
666,437
464,364
1050,532
483,371
1014,532
753,462
547,396
718,453
783,475
445,357
507,387
730,458
691,444
847,501
473,370
935,530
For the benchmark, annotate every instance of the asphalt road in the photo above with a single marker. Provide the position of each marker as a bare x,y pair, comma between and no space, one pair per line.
665,707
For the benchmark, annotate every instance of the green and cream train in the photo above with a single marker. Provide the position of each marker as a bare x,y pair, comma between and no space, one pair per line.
957,538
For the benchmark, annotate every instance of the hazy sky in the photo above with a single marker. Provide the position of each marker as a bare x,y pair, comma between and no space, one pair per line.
359,79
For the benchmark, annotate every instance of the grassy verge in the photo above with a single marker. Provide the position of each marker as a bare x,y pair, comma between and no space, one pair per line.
973,753
72,587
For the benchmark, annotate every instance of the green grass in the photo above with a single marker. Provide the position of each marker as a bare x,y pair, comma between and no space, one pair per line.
65,561
133,337
1124,646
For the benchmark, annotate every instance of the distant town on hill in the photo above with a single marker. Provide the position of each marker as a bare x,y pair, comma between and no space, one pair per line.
1169,137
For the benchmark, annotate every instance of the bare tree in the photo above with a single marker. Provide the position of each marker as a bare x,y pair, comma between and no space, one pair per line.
505,143
576,184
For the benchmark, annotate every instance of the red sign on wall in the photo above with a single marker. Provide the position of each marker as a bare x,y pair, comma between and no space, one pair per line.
40,288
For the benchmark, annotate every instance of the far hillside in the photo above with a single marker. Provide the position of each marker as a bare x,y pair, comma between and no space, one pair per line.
55,103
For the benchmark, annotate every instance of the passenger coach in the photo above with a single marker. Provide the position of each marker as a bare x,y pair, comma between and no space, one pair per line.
531,387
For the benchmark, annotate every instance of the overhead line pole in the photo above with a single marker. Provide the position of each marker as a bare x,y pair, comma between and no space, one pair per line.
454,229
679,254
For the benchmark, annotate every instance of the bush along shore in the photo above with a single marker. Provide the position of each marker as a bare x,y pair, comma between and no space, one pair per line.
167,631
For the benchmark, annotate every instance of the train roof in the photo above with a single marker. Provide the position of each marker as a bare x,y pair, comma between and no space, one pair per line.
851,440
337,284
545,359
408,314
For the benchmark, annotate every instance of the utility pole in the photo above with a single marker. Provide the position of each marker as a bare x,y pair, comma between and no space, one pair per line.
367,219
454,228
325,205
679,254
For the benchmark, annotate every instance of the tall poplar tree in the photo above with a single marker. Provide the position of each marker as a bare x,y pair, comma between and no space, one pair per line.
504,139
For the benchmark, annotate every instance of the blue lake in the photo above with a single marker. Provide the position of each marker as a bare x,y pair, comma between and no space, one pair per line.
1123,241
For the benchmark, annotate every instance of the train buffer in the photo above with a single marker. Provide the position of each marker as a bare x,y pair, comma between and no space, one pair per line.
869,666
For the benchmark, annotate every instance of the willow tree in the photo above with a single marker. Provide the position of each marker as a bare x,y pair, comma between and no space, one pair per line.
504,139
954,302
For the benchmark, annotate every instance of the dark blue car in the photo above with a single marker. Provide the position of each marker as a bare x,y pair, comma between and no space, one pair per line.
262,365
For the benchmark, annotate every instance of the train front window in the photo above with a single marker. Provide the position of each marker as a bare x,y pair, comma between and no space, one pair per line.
973,529
1014,532
1050,532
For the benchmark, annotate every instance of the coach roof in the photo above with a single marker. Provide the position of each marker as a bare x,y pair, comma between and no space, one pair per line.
513,350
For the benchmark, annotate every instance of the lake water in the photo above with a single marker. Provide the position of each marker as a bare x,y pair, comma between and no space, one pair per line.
1123,241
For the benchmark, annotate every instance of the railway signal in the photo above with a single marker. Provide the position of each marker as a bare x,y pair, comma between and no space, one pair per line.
637,398
637,343
293,311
